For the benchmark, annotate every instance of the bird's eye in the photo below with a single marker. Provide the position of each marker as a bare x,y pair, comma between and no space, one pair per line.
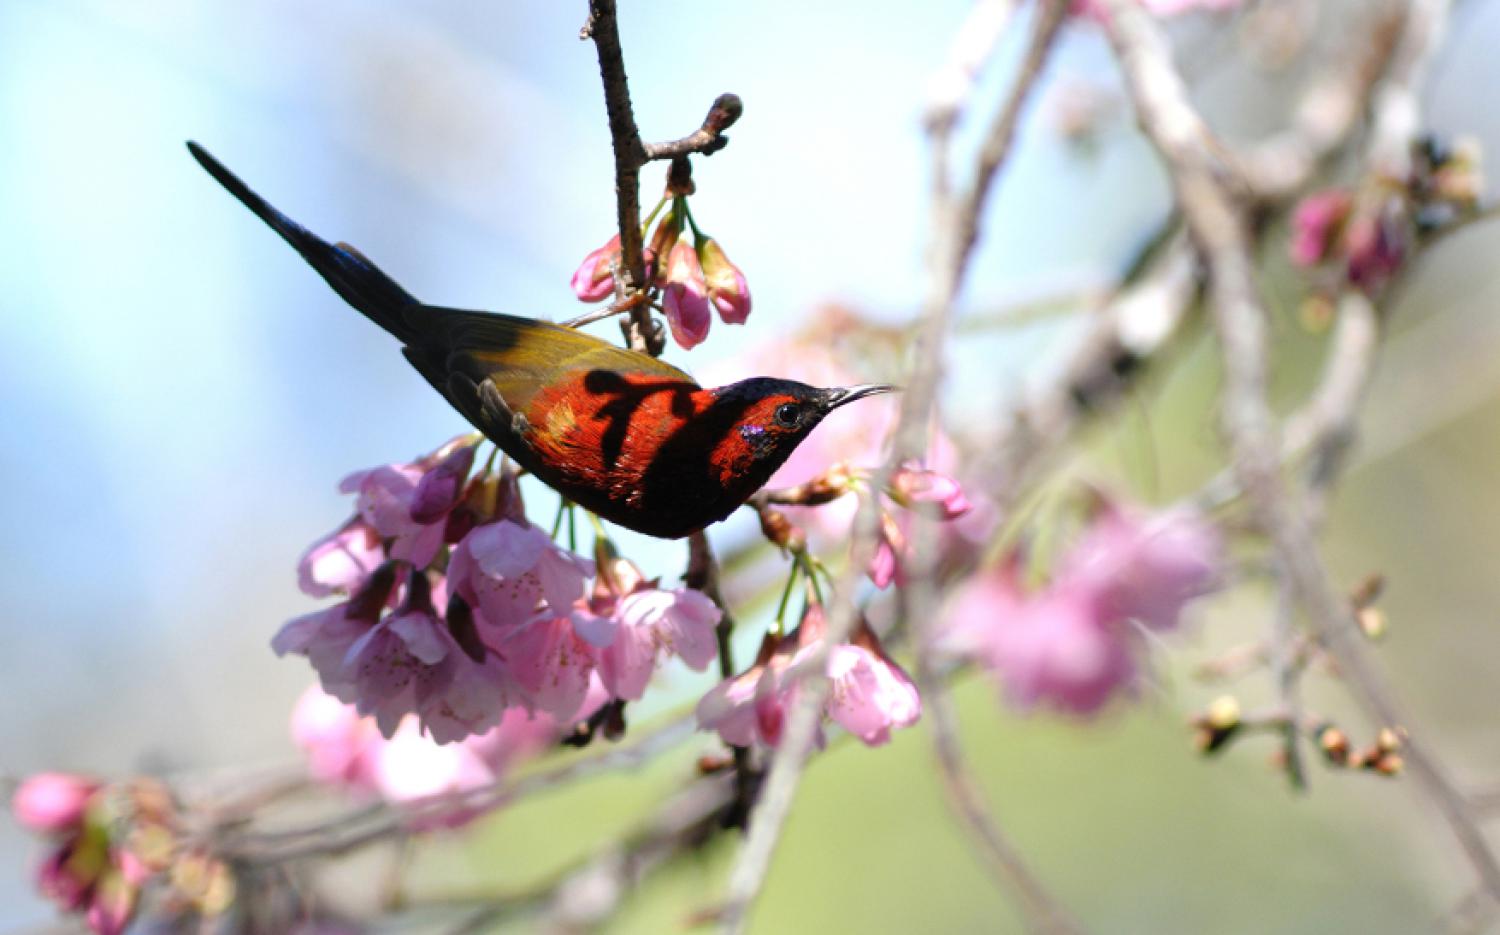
787,414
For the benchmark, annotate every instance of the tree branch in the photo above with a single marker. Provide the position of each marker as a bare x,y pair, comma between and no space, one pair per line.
642,333
1219,229
955,230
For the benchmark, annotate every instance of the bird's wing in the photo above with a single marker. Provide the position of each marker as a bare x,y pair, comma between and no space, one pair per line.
518,355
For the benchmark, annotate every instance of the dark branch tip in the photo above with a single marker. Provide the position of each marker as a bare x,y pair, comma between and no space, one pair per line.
726,109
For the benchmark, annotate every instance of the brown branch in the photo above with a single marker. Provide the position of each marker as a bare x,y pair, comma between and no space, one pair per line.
642,333
708,138
703,575
1287,671
586,896
361,827
1219,228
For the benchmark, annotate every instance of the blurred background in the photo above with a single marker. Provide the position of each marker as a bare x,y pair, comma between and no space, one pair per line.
179,396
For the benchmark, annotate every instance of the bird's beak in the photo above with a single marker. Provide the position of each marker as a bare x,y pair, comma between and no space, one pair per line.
839,395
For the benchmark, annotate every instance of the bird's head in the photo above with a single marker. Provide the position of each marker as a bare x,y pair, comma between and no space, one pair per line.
774,416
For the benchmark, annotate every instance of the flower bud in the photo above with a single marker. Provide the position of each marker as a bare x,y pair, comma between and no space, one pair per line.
1372,622
1316,224
594,279
440,488
928,492
685,300
1224,713
727,288
780,530
664,238
53,802
1334,743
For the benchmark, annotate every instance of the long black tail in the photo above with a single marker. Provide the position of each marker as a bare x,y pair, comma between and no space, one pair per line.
360,282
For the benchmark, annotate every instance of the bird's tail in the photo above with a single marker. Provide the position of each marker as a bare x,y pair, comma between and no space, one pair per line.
360,282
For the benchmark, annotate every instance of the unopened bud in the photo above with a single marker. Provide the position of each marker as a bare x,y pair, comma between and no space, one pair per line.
1368,590
1224,713
1389,739
1335,745
1372,622
710,763
1315,313
1388,764
1217,725
780,530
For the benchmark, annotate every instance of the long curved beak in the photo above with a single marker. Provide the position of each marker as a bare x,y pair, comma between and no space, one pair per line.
840,395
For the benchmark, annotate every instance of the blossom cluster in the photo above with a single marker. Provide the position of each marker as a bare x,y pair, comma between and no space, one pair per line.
695,277
1366,235
106,844
457,610
1076,642
869,693
347,750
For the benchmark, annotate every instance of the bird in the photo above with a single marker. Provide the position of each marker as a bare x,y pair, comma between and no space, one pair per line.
631,438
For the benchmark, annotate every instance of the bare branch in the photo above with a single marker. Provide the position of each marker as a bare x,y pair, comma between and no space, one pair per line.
955,230
1042,911
707,139
641,332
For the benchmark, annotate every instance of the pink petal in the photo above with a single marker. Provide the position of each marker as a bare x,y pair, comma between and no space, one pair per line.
424,636
551,664
341,561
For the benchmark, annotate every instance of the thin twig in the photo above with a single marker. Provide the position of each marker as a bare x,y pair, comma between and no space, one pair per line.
973,46
364,826
1286,671
1041,910
956,225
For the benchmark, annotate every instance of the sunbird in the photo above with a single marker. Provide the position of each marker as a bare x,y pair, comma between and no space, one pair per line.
630,438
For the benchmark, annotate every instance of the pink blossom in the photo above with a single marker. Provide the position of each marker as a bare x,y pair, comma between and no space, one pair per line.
1315,225
385,498
551,663
685,298
439,490
1059,651
727,289
1074,644
388,661
594,279
928,492
326,636
890,549
463,696
68,873
346,750
751,706
86,873
340,561
113,903
1376,245
1144,568
51,803
869,693
506,569
342,747
646,625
